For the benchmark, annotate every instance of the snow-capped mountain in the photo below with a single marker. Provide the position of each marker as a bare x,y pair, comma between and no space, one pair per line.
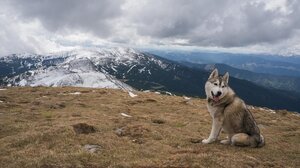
83,68
78,72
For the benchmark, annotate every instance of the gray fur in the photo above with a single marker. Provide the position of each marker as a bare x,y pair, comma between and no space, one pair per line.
229,113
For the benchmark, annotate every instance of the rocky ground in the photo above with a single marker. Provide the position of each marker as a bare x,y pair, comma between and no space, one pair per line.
81,127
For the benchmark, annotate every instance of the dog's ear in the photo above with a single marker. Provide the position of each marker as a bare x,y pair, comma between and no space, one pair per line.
214,74
226,78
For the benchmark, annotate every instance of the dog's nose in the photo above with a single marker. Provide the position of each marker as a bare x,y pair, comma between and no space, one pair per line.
219,93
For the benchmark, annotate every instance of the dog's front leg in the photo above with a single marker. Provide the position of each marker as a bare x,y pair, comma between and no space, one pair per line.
215,130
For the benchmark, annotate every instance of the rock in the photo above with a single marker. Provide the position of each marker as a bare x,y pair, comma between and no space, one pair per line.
120,131
186,98
134,131
75,93
92,148
169,93
125,115
132,94
138,141
271,111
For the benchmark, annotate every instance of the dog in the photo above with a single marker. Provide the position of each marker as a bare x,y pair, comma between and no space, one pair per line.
230,113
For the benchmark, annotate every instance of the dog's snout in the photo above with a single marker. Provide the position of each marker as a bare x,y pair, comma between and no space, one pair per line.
217,94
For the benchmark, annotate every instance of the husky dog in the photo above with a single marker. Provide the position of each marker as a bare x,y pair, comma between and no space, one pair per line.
230,113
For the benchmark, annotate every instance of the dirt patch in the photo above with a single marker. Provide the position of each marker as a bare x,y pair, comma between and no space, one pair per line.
83,128
57,106
195,140
151,100
142,101
158,121
136,133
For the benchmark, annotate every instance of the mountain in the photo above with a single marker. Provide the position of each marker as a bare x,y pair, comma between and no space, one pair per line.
75,68
53,127
140,70
288,83
259,63
128,68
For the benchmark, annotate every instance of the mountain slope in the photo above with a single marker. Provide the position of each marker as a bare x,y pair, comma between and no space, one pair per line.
75,68
120,67
267,80
52,127
269,64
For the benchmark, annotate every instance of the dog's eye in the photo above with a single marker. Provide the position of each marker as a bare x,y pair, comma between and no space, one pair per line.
215,84
223,86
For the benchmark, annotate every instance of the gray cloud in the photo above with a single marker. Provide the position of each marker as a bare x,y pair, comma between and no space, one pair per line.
227,23
174,18
85,15
205,23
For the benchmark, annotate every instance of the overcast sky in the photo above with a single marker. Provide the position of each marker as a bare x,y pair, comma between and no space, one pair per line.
41,26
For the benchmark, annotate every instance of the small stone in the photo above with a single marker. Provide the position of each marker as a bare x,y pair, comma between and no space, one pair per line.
75,93
138,141
132,94
92,148
125,115
186,98
120,131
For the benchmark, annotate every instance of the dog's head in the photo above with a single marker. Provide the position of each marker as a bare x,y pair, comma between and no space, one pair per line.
216,86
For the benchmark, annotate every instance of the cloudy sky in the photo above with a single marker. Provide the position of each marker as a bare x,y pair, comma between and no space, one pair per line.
41,26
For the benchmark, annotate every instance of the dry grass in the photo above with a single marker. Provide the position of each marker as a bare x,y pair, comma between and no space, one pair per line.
37,130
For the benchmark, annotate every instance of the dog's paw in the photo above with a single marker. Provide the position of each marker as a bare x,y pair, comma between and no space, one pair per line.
207,141
225,142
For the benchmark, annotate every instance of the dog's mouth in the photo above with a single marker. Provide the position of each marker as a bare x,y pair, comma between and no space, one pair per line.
215,98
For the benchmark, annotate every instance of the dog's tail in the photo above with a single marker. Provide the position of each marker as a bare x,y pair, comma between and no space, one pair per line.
242,139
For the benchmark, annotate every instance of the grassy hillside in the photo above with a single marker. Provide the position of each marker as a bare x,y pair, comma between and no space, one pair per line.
52,127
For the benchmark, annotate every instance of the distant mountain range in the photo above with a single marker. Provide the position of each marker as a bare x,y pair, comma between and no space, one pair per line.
127,69
289,83
269,64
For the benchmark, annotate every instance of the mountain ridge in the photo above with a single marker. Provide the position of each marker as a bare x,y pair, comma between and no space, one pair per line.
259,63
288,83
127,67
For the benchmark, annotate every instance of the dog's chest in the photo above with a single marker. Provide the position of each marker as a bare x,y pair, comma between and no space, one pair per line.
213,111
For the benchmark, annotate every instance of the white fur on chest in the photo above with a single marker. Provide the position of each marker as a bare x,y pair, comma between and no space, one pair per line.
212,110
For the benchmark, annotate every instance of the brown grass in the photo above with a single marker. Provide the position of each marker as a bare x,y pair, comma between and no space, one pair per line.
36,130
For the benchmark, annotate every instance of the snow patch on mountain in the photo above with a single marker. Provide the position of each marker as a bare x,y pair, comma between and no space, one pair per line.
61,77
89,67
